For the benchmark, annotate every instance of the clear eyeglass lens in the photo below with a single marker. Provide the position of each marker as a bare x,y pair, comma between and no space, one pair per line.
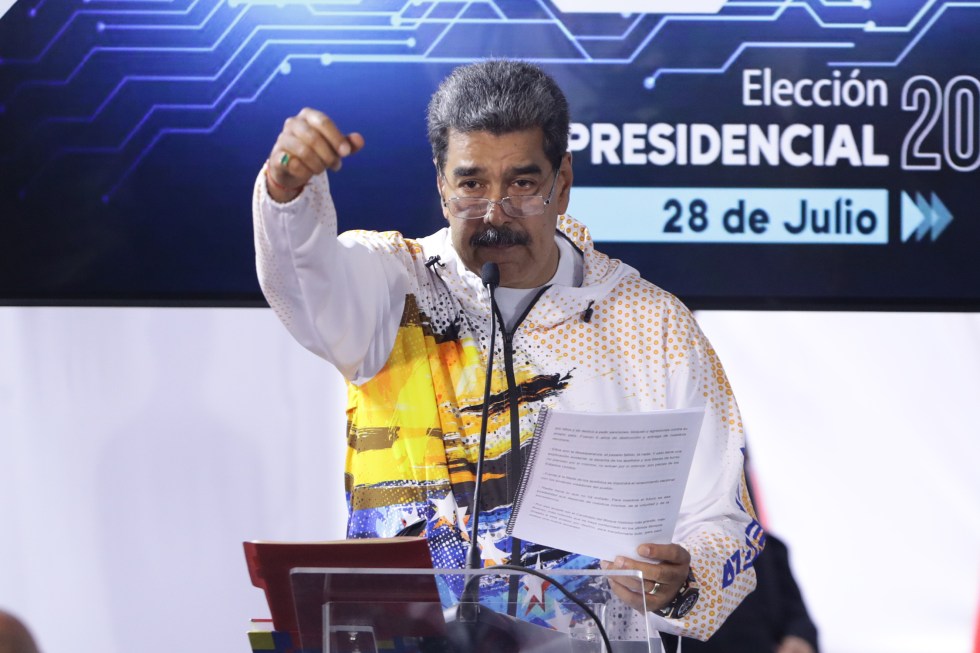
516,207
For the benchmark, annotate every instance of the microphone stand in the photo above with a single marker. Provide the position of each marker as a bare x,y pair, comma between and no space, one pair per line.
478,628
490,275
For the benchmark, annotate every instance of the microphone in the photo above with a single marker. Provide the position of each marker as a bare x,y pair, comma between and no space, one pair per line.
478,628
490,275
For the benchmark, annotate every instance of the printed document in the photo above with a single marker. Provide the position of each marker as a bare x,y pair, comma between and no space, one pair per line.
601,484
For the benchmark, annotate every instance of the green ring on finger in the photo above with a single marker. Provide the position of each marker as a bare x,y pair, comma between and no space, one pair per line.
284,159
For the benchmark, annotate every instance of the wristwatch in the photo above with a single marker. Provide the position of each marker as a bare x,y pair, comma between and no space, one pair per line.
686,597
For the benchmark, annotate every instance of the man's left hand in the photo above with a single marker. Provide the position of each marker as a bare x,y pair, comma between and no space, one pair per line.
664,573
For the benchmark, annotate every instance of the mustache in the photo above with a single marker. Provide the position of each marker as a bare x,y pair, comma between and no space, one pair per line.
498,237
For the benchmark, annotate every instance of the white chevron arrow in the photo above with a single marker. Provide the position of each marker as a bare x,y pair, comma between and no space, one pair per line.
912,217
941,217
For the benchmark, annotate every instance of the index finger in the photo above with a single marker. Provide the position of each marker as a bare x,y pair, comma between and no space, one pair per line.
669,553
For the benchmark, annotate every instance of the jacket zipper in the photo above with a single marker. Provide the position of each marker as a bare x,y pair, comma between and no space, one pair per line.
515,464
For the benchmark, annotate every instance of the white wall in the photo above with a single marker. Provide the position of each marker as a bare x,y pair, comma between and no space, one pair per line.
863,432
140,447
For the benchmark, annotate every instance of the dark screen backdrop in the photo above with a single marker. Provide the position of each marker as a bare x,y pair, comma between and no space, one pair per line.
806,154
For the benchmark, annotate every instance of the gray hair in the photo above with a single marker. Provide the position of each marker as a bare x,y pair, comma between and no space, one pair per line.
499,97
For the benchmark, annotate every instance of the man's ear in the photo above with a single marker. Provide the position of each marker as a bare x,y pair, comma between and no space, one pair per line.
565,176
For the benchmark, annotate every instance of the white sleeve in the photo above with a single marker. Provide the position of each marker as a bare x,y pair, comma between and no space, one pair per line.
717,523
339,298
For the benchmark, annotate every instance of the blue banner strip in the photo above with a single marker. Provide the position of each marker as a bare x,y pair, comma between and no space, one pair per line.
804,216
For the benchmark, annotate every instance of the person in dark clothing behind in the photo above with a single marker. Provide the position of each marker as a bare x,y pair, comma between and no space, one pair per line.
773,618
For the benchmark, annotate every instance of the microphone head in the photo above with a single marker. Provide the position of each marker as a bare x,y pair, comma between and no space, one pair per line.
490,274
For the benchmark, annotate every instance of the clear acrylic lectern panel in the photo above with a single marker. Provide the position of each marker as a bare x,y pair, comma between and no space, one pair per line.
454,611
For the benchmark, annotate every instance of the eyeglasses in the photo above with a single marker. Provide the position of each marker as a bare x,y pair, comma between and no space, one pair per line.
516,206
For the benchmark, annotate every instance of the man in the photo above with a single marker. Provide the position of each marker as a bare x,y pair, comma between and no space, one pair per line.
408,321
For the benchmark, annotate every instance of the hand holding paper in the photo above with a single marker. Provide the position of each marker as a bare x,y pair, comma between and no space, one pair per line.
664,564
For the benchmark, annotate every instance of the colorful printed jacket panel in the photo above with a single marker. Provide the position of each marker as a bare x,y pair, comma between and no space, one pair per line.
413,427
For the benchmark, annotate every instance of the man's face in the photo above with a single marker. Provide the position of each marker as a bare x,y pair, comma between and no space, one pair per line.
479,164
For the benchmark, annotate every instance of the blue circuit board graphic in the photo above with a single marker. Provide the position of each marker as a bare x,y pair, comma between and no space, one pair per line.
102,99
113,78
